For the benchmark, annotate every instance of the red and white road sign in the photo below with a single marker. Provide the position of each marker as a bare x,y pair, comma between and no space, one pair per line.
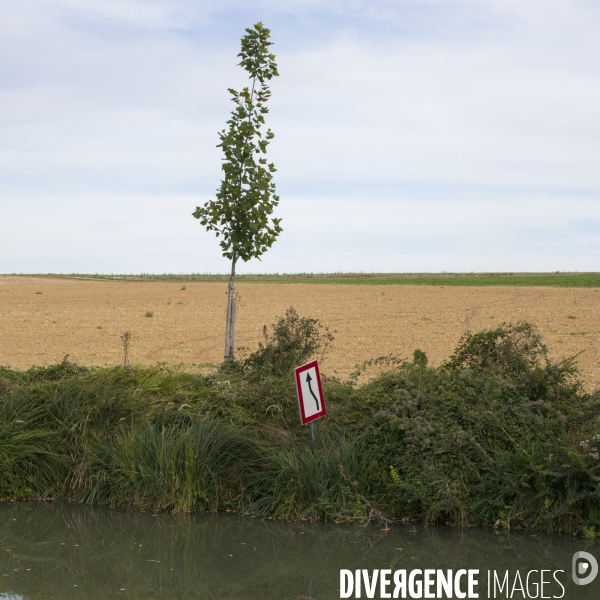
310,392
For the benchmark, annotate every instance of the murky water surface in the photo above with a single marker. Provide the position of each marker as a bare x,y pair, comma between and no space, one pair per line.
63,551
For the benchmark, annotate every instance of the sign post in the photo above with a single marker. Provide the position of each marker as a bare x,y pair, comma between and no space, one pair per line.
310,396
313,439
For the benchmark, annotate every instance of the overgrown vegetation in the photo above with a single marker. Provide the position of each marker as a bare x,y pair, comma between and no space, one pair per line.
498,436
290,343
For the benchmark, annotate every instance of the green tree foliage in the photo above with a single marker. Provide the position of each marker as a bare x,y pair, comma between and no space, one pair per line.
241,212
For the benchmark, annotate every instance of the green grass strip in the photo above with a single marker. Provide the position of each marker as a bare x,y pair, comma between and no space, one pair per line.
574,280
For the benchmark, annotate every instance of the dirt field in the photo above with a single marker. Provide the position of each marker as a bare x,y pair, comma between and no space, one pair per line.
42,320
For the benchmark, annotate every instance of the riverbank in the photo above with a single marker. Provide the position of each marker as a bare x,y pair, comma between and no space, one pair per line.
497,436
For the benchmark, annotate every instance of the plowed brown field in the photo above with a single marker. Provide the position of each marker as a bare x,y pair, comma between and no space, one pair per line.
43,319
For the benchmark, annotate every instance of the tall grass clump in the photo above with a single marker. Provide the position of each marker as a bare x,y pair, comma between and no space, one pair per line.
296,482
498,435
30,464
172,462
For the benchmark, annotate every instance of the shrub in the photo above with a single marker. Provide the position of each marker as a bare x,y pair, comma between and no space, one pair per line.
507,350
291,342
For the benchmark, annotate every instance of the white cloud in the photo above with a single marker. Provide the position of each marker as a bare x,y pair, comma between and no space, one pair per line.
393,120
141,233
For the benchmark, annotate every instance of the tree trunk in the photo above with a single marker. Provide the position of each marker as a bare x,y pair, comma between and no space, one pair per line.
231,314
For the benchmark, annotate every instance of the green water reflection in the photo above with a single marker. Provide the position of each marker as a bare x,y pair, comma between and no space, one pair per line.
63,551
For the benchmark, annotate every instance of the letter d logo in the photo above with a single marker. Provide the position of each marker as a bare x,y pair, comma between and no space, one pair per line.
582,568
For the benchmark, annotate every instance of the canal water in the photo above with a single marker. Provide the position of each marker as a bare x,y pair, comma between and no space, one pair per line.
60,551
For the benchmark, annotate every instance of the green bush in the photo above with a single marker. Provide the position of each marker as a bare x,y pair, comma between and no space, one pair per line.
490,438
506,350
291,342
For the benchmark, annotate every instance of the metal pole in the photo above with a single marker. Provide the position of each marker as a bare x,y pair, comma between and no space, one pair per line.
313,439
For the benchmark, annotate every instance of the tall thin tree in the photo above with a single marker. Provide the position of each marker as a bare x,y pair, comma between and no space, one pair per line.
241,213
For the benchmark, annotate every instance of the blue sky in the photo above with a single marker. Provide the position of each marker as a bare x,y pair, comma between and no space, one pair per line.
429,135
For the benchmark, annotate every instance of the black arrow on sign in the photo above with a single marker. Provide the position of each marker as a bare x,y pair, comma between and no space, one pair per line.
308,380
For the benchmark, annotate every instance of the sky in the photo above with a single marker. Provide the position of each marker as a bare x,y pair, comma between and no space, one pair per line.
410,135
